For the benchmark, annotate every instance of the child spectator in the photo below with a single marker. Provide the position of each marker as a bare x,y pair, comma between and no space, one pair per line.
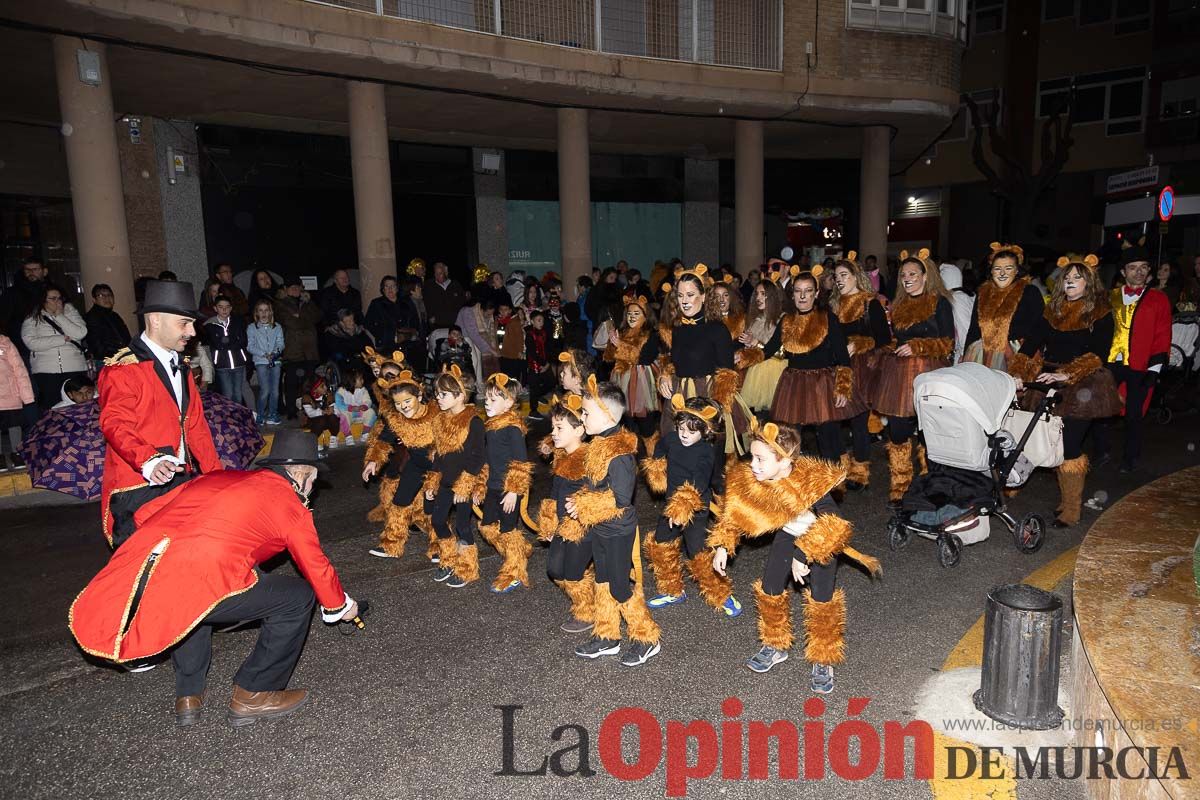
75,391
537,361
264,342
511,333
353,404
319,417
226,335
453,350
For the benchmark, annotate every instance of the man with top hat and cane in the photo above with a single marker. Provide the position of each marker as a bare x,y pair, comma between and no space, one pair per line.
192,564
150,412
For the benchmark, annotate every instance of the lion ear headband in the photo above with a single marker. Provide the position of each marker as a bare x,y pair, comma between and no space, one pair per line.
997,248
1090,261
707,414
455,372
593,390
405,378
500,382
769,433
796,271
698,272
573,404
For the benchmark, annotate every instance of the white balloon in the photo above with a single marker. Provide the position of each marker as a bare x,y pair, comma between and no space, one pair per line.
787,253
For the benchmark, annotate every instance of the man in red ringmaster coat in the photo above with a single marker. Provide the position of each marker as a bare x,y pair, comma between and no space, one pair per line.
150,412
191,564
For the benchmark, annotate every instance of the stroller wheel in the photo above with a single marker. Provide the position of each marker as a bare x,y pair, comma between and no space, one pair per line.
1029,533
949,550
1164,415
898,535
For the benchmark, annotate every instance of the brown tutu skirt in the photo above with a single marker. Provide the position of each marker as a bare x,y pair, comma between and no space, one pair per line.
866,374
892,395
1094,397
805,397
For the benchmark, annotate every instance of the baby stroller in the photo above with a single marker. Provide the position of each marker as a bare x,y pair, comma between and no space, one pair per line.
1182,365
963,412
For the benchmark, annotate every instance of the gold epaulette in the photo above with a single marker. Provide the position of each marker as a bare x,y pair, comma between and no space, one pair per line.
121,357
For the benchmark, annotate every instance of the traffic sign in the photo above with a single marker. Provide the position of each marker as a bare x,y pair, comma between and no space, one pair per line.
1166,203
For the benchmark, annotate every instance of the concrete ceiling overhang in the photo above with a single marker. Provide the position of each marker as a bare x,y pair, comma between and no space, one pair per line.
472,105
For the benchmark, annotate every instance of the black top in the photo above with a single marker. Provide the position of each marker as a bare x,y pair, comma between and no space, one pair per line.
696,465
621,479
831,352
1024,319
469,459
385,316
938,326
872,323
345,348
412,474
332,300
228,342
561,488
503,447
107,332
699,350
1060,347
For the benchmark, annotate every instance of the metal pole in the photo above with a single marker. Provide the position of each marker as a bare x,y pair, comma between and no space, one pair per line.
497,21
599,38
379,7
779,40
696,31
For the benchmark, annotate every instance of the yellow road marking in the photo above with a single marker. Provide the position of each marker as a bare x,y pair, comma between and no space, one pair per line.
969,653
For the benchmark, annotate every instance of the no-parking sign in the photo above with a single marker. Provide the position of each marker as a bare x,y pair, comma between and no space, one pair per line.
1166,203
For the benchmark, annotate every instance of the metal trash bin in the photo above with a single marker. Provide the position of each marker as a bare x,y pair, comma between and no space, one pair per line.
1022,637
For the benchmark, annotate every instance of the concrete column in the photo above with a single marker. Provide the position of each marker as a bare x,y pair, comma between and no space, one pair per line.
748,195
701,214
491,211
182,209
873,194
574,194
371,167
97,199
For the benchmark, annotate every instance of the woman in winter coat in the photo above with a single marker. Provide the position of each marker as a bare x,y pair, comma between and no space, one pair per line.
54,332
16,392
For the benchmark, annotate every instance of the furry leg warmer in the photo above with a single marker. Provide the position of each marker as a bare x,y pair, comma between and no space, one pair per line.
922,463
395,529
665,561
859,472
608,614
642,627
466,562
774,618
1071,475
387,490
825,629
446,551
901,468
713,588
583,596
516,551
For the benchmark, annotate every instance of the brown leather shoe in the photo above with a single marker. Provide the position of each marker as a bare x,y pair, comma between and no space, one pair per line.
246,708
188,710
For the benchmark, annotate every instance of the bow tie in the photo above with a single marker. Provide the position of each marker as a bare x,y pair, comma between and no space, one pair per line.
175,366
688,320
1132,292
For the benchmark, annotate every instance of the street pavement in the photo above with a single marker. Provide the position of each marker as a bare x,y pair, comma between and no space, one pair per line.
408,707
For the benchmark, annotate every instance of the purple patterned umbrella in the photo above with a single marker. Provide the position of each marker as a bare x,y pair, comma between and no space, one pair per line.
65,449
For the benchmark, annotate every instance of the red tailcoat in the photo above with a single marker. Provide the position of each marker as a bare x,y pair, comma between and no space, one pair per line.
1149,335
140,419
217,529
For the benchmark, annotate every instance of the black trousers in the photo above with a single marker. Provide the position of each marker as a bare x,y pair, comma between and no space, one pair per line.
439,510
513,368
613,556
829,441
294,375
1138,385
1074,432
539,384
901,429
779,569
694,534
861,436
567,561
493,512
284,603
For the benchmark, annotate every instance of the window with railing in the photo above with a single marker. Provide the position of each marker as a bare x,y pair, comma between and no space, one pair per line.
731,33
1116,98
945,18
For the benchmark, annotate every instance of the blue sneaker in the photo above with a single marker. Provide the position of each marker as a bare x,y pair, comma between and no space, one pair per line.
767,657
732,607
661,600
506,589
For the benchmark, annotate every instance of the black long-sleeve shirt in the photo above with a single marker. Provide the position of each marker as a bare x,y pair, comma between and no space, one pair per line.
699,350
1024,319
469,459
1060,347
621,479
831,352
872,323
938,326
412,475
696,465
504,446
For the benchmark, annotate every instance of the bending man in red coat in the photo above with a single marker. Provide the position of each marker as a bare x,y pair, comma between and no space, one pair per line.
150,412
1141,345
191,565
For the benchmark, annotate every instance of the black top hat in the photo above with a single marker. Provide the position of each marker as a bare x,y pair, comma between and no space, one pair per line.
293,447
171,297
1136,251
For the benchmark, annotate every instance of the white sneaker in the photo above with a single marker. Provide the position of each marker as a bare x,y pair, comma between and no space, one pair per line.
364,438
379,552
333,443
